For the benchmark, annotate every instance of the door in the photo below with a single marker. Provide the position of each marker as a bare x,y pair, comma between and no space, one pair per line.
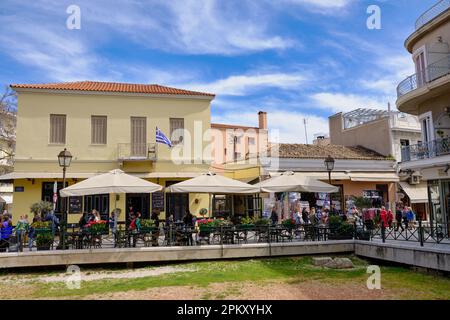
176,203
420,69
138,136
140,202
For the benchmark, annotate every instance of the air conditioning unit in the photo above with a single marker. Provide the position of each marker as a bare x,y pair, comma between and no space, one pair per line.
414,179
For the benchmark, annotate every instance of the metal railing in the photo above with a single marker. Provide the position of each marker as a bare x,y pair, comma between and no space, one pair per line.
136,151
432,13
426,150
434,71
172,235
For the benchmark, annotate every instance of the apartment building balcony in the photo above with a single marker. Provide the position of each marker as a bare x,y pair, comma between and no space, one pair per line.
431,150
136,152
433,80
435,11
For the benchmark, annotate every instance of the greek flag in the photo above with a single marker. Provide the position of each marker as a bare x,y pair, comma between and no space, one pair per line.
161,138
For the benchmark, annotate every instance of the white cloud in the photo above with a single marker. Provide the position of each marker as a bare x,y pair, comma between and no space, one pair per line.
390,70
340,102
239,85
60,56
323,3
285,126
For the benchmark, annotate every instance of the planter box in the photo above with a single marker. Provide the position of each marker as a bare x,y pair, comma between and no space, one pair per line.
246,226
42,230
44,247
337,236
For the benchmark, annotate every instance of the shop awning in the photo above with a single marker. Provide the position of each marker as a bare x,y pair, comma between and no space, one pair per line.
417,193
85,175
317,175
45,175
166,174
374,176
8,199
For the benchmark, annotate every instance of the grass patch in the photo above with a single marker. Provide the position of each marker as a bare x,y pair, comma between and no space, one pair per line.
409,284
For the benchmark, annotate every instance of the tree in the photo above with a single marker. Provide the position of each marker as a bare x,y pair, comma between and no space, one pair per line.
8,119
362,203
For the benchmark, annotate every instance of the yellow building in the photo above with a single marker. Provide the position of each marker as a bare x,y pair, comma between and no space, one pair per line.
107,126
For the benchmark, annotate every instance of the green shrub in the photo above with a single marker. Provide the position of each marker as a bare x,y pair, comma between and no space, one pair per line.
262,222
246,220
44,239
147,223
41,207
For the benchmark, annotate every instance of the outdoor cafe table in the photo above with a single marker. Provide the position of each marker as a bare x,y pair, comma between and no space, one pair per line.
184,234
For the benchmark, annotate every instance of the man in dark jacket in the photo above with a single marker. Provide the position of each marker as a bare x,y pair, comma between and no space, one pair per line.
398,218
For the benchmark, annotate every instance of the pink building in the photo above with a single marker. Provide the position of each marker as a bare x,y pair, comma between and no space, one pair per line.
232,143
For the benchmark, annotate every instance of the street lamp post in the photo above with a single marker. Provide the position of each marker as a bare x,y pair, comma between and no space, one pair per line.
64,159
329,165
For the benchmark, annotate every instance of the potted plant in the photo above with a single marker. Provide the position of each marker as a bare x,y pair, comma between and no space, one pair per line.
247,223
262,222
288,223
97,227
339,229
44,240
41,207
205,224
41,227
148,225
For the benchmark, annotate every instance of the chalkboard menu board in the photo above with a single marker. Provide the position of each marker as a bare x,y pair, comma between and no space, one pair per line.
158,200
75,204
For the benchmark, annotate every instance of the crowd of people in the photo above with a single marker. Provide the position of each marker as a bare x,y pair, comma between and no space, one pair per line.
24,231
404,217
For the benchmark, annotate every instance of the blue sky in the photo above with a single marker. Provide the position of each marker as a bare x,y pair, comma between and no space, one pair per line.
294,59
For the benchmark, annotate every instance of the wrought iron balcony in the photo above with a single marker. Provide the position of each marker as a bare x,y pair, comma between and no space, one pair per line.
432,13
426,150
433,72
136,151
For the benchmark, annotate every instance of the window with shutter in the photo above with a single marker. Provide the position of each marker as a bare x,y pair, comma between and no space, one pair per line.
98,129
58,128
176,130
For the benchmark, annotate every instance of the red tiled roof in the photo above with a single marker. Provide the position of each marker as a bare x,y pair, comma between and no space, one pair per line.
111,87
309,151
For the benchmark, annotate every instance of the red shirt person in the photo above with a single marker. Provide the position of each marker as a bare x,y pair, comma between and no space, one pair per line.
390,218
383,217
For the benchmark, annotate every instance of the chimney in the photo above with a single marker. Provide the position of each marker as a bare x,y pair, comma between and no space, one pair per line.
262,117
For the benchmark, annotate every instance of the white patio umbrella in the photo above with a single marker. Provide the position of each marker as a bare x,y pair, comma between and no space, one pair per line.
213,184
291,182
114,181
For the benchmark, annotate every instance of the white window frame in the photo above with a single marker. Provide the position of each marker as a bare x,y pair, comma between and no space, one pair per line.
427,116
416,53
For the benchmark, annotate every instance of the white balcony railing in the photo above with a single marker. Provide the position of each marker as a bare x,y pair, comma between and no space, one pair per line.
432,13
136,151
434,71
426,150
